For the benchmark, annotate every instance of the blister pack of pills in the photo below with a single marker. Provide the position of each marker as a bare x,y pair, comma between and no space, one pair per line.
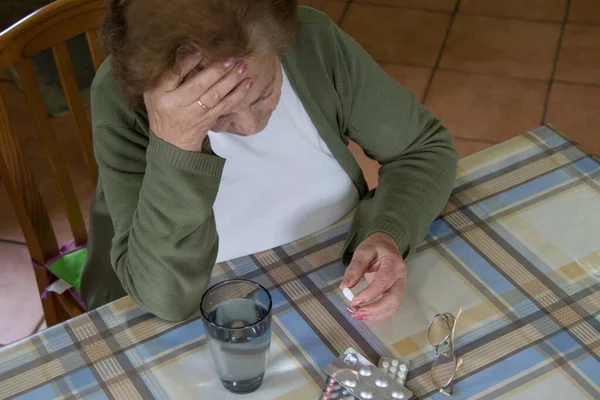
363,380
394,368
335,391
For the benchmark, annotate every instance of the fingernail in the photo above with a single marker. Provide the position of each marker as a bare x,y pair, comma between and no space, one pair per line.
343,284
228,63
351,310
242,68
249,84
360,315
356,303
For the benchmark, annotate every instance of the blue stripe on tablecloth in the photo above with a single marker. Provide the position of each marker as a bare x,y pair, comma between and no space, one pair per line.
587,165
523,308
82,379
243,266
24,356
563,342
99,396
169,340
327,274
439,229
479,266
550,138
43,392
499,372
591,368
122,317
309,341
524,191
480,172
277,298
56,338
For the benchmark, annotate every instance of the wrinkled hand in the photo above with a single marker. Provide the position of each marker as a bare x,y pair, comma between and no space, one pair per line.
379,260
173,110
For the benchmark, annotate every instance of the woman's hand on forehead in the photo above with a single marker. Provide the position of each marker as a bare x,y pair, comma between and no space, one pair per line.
185,105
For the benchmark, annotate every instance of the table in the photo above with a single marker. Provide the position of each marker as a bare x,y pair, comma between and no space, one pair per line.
517,247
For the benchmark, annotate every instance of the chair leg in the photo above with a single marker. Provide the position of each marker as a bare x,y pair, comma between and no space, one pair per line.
51,310
49,304
61,312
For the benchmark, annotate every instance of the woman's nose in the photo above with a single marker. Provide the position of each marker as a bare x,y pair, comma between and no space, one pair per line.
247,123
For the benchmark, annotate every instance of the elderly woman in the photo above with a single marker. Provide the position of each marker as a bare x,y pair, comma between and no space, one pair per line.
221,129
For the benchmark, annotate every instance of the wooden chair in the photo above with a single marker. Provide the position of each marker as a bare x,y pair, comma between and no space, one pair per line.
49,27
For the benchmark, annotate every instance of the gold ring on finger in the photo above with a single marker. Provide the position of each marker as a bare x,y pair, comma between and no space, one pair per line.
203,106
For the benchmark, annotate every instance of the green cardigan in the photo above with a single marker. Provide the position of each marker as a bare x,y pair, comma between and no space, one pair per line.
152,229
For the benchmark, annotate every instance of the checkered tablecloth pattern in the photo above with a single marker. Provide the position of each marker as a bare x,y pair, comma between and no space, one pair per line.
517,247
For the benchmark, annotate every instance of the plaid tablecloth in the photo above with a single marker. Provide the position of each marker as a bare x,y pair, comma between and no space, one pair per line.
517,247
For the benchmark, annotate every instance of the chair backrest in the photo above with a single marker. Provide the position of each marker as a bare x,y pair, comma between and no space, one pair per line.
49,27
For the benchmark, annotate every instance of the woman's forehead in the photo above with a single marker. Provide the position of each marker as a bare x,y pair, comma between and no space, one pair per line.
261,68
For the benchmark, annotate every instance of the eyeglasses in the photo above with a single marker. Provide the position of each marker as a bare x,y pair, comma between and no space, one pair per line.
441,337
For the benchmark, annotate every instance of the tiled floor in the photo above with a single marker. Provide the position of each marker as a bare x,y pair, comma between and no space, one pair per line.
491,69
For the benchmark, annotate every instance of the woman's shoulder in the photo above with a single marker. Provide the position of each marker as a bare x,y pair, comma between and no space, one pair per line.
310,18
109,106
316,33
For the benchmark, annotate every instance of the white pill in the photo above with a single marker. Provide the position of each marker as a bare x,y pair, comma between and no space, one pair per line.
350,359
395,363
385,364
350,383
398,395
381,383
348,294
400,381
366,394
365,371
403,367
393,370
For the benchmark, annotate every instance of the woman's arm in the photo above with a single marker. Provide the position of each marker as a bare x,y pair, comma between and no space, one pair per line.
416,153
160,200
160,186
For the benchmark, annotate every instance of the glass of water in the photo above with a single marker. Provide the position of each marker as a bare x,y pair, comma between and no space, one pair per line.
237,320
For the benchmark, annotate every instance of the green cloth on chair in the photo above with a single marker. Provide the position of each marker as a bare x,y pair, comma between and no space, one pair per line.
69,267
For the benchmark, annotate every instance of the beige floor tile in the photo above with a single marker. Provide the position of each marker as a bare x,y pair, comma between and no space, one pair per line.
586,11
438,5
484,107
466,147
501,46
369,167
549,10
579,59
397,35
574,110
333,8
20,306
413,78
9,225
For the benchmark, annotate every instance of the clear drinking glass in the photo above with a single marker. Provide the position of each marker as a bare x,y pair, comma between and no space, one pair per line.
237,320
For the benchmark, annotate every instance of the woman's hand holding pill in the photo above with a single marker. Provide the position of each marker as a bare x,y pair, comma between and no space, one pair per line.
379,260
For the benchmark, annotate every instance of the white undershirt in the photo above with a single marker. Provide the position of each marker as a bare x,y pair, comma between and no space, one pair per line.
278,185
